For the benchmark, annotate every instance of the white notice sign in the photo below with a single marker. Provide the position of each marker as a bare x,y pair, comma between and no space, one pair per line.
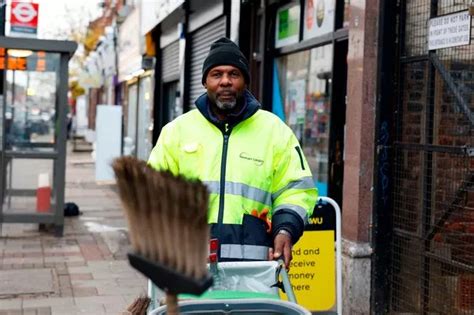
449,30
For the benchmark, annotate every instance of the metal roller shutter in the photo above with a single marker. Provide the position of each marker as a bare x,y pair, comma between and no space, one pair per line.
170,66
201,41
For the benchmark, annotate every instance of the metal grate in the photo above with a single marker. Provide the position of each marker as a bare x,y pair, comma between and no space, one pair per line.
201,41
416,17
170,67
433,194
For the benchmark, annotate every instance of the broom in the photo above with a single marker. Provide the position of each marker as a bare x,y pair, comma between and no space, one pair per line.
167,219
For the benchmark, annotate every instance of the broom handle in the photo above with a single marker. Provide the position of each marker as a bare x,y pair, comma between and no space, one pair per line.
172,304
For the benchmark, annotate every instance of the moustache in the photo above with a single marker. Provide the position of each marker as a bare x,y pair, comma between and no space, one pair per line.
226,93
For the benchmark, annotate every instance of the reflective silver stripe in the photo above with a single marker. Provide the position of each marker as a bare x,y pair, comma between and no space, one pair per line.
237,251
303,183
299,210
243,190
212,186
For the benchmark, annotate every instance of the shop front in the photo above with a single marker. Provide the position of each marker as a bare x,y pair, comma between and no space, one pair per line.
171,60
308,75
163,31
183,33
136,84
138,115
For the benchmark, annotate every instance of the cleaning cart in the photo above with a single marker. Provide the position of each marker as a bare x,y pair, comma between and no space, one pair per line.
256,287
239,288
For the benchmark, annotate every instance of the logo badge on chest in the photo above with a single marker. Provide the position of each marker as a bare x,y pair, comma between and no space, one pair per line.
248,157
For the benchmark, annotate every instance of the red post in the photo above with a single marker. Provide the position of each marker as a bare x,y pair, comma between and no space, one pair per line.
43,193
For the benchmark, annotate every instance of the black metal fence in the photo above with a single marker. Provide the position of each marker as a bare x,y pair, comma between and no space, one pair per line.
432,268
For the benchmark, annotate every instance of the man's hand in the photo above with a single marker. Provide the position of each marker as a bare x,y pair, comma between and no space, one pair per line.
281,246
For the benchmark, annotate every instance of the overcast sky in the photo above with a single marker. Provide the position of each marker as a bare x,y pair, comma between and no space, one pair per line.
56,15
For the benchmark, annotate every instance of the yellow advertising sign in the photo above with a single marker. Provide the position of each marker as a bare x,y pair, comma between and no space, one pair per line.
313,271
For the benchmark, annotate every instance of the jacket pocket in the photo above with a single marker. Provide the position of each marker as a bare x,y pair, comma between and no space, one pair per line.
254,231
190,159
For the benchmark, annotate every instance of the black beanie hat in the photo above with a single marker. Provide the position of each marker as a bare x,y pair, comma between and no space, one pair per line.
225,52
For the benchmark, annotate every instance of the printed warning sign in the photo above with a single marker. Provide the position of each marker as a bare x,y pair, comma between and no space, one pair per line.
313,270
449,30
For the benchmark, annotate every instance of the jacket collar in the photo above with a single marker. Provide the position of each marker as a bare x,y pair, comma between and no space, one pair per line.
250,107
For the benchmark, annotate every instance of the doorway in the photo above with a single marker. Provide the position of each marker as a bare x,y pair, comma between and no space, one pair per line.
172,107
338,122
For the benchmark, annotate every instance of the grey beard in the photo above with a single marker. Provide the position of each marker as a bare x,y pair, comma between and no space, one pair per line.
226,105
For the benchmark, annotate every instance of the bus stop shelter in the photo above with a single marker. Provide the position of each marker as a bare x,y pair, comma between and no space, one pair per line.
33,132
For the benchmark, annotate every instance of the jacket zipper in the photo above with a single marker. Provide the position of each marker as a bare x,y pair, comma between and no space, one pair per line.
226,134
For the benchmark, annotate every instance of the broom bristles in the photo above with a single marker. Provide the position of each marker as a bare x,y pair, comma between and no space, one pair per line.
167,216
139,306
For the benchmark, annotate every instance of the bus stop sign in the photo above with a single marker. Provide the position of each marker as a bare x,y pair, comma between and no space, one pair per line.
24,17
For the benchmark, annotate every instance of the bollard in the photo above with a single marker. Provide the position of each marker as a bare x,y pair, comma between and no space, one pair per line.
43,193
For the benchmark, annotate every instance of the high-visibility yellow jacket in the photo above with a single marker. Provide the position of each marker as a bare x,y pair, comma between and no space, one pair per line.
252,161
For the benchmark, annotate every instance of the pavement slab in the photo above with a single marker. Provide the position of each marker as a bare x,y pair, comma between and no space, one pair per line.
10,304
26,281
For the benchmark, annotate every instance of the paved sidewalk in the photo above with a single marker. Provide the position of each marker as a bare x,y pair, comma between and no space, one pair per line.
85,271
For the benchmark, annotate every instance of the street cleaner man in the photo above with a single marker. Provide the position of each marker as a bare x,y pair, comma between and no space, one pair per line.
261,188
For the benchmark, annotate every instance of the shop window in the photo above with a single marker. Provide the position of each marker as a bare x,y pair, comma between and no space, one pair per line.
301,98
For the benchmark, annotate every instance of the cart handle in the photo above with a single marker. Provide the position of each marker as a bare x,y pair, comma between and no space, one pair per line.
287,288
